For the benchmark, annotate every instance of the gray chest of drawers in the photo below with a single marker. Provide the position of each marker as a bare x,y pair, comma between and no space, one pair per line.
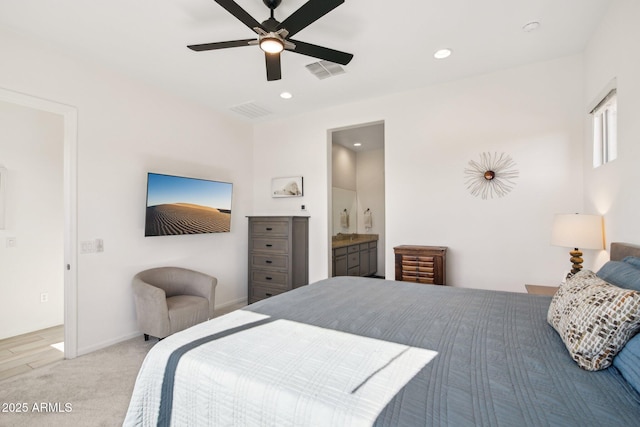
278,255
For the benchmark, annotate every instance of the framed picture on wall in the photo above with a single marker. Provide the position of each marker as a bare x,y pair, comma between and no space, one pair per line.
286,187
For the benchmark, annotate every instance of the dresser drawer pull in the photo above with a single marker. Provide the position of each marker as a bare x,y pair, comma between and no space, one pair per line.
268,295
268,245
268,261
269,278
269,229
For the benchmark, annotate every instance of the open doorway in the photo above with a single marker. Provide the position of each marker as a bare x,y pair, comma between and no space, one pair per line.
357,199
38,234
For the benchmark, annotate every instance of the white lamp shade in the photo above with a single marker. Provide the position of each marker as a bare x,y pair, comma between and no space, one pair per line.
577,231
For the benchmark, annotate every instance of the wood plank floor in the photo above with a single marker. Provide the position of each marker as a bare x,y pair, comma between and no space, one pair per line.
29,351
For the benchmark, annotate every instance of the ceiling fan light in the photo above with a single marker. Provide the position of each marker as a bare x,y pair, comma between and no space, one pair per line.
271,45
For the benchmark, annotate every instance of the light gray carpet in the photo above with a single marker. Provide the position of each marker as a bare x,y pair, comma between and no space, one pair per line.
90,390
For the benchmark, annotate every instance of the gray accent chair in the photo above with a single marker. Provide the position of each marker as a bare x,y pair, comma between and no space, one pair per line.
170,299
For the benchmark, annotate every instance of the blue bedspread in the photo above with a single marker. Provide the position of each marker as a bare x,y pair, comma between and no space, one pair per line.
498,363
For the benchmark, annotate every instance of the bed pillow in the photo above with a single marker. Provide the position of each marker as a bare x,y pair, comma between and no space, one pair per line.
635,261
628,362
594,319
621,274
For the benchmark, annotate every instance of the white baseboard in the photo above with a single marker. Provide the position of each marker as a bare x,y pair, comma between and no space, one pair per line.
230,303
109,343
91,349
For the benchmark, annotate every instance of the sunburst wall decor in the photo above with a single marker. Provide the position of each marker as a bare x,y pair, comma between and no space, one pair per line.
493,175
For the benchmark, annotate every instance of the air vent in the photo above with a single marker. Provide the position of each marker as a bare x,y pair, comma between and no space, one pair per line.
251,110
324,69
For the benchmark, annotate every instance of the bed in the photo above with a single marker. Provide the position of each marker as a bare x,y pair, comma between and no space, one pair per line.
351,351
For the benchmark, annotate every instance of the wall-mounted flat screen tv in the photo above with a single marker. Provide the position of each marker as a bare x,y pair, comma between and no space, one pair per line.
181,205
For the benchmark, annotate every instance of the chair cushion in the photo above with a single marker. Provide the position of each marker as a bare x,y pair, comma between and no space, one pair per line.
186,311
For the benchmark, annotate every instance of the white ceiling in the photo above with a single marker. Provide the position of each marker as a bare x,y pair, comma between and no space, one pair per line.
392,41
370,137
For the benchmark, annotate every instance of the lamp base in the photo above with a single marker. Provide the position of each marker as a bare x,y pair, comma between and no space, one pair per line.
576,260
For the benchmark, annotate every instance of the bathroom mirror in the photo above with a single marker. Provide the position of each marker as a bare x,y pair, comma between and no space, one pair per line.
345,210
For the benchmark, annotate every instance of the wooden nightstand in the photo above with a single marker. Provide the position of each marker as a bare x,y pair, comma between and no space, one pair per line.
541,290
421,264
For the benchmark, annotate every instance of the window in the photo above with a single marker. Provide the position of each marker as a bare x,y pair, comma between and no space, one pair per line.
605,129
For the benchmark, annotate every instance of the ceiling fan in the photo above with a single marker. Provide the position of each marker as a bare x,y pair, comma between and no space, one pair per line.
274,36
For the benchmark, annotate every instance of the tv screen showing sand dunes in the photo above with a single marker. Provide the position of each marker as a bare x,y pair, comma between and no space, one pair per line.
180,205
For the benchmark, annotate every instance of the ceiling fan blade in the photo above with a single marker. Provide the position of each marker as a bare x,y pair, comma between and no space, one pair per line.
273,66
309,12
220,45
320,52
233,8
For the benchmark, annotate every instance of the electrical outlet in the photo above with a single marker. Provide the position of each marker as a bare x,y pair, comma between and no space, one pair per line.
12,242
44,297
86,247
91,246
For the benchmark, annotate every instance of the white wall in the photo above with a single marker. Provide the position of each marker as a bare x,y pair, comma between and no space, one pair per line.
126,129
612,189
31,149
533,113
343,167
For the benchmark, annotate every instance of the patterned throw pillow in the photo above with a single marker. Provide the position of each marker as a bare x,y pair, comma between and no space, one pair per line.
594,319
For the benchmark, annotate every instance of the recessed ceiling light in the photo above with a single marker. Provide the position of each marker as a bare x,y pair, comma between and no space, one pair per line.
286,95
442,53
357,144
531,26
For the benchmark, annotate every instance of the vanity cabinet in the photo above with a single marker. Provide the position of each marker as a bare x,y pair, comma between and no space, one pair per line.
353,260
278,255
357,259
421,264
340,262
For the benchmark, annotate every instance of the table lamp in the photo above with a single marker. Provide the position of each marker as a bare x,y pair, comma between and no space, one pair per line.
577,231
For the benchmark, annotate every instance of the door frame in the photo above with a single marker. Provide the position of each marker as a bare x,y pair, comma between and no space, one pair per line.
330,137
70,165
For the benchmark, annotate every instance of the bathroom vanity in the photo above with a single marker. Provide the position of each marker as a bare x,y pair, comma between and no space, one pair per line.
354,254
